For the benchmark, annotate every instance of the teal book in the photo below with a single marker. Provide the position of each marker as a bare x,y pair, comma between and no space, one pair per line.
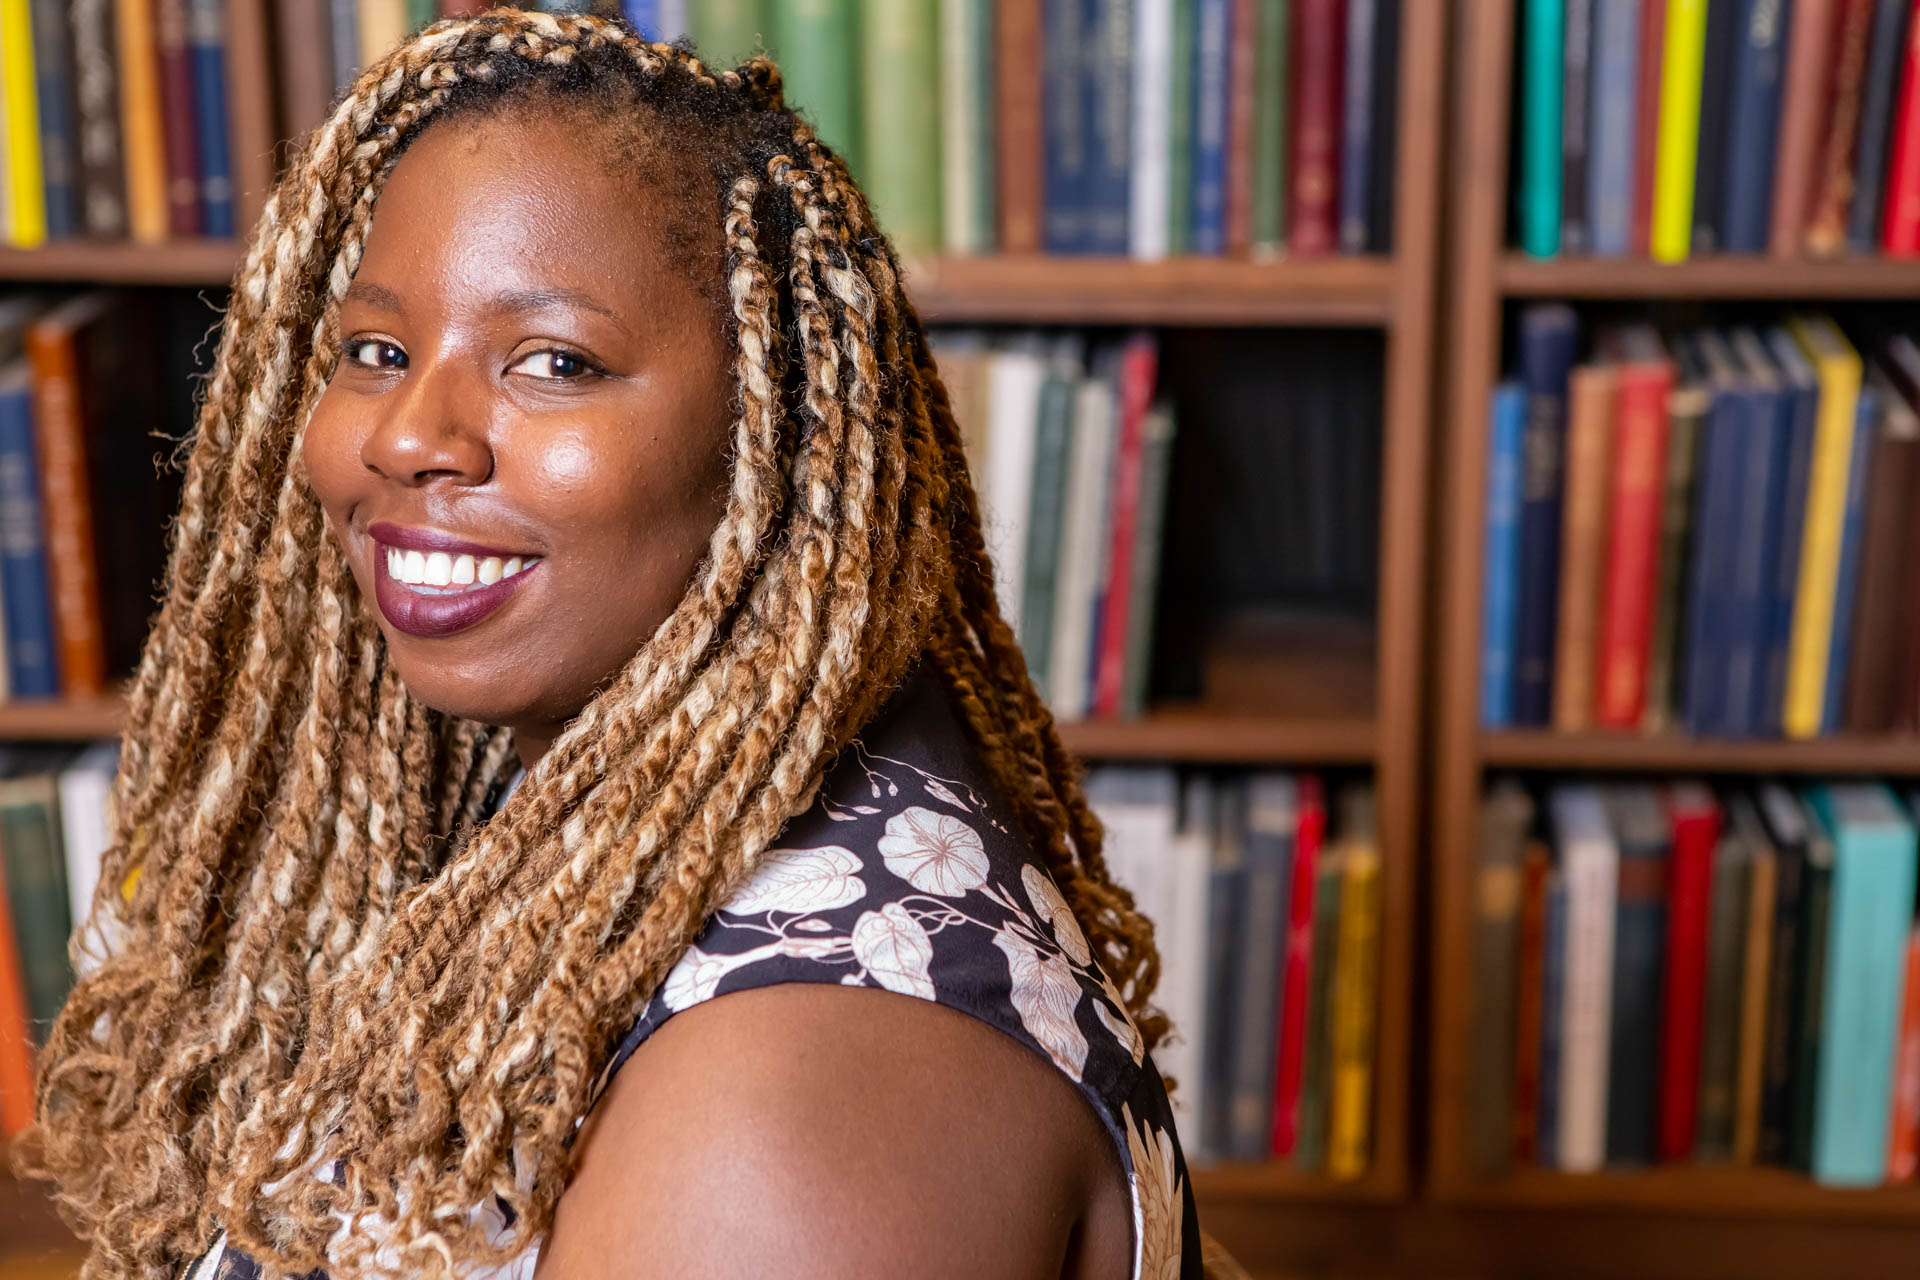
1271,66
728,32
1543,33
1046,506
1180,133
817,44
900,145
32,854
1870,915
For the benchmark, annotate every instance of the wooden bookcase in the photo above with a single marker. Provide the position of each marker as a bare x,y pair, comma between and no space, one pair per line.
1394,295
1485,278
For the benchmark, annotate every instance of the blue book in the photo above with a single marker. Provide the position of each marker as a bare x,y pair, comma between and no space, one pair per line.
206,33
1869,916
1756,519
1886,44
1853,532
1226,934
1553,994
345,16
1543,28
1064,175
1753,123
32,657
1271,808
1644,836
1716,504
643,16
1356,126
1499,594
1711,133
1212,93
1548,334
1613,117
1107,72
59,136
1790,497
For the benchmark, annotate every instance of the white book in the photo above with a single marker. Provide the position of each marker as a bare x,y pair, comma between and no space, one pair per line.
1149,198
1089,488
1183,949
958,110
1013,406
1137,805
1590,864
85,827
673,19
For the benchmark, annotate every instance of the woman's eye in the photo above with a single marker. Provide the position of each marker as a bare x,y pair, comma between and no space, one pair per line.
554,363
376,353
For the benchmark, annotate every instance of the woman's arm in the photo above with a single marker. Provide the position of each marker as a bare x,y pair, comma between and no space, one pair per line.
804,1130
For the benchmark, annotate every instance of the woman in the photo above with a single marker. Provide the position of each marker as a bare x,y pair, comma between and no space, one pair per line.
569,413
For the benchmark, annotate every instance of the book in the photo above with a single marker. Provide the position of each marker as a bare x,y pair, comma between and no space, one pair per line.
1687,407
1108,120
1553,1004
1128,498
1089,464
1355,982
1810,40
1837,366
1576,93
1046,504
181,151
1271,74
1212,91
1017,124
1638,820
1150,195
143,144
1616,64
26,225
1180,128
1637,494
1506,816
1903,1129
207,47
96,105
1743,819
1529,985
1832,191
16,1040
1136,664
1901,363
1591,395
1680,72
1719,674
1811,1024
33,664
1900,220
1382,148
36,885
1710,146
818,45
1356,140
1753,125
1591,865
85,787
1314,187
1646,120
1716,1106
1310,1143
1866,431
900,143
1795,466
1227,908
1886,47
1499,615
1064,133
1543,38
53,100
1016,376
1296,975
1888,564
1871,919
1795,844
1183,985
1548,334
1243,43
1696,821
1752,570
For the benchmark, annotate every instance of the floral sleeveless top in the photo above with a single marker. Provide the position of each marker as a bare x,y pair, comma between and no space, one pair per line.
908,873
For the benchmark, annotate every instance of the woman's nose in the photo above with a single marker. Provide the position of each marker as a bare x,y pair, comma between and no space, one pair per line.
433,427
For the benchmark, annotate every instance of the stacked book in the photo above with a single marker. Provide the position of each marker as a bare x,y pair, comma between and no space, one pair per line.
1265,892
1716,532
116,116
1070,451
1669,974
1668,128
54,825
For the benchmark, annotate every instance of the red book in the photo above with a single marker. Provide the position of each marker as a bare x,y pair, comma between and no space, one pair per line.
1903,1144
1803,117
1296,977
1527,1010
1646,120
1017,118
1696,830
1138,368
1901,226
177,118
1638,491
1245,40
54,345
16,1050
1319,31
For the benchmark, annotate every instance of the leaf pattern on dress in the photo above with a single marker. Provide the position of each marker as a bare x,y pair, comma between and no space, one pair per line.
1045,994
801,881
933,852
1050,906
939,791
1158,1205
896,950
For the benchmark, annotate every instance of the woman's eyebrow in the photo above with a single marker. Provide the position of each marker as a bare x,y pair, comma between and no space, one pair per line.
510,301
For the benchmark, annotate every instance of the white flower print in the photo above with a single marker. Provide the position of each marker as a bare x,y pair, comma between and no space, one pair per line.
1045,994
895,949
1157,1200
939,791
800,881
1050,906
698,973
1123,1027
934,853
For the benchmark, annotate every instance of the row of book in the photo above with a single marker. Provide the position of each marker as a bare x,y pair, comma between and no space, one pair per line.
1716,532
1666,974
115,120
1667,128
54,825
1267,911
1070,451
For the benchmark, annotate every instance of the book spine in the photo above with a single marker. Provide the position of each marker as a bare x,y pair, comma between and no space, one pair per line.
1045,514
980,162
103,193
1149,195
1269,867
1149,525
1315,184
1064,129
1666,657
1498,596
1886,572
182,147
1543,36
1634,1022
1108,78
1756,963
1529,1022
61,442
1720,1029
1547,337
1356,146
1590,421
1885,46
1504,817
1576,97
644,17
1710,150
1646,121
383,24
1243,89
1137,374
33,663
1633,536
421,13
899,58
1821,538
1802,115
1270,133
1832,190
143,142
1680,72
1212,92
1749,595
1779,1055
818,44
1089,465
1616,58
1753,125
1847,576
1900,221
1180,131
53,84
1310,1143
1903,1136
1702,696
1355,991
1553,1003
1017,127
1592,883
26,197
1809,1026
1796,466
37,893
1227,909
209,49
1382,153
1696,831
1297,976
16,1040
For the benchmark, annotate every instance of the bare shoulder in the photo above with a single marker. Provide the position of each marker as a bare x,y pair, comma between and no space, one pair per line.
807,1130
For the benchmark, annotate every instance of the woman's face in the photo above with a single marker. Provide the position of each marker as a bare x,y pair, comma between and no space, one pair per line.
523,449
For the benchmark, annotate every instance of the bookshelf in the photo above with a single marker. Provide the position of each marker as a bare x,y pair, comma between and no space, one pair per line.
1485,278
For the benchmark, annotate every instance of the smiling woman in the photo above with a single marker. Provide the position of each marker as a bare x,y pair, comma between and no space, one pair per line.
582,809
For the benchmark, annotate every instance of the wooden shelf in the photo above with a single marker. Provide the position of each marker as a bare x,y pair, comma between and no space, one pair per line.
177,262
1544,749
62,719
1520,276
1051,289
1198,736
1279,1181
1695,1189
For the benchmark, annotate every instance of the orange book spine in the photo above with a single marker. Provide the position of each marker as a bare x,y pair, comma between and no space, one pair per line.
1802,114
1583,542
16,1049
68,510
1903,1147
1017,122
140,121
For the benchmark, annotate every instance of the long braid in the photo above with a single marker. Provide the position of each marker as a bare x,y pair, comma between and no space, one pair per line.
328,960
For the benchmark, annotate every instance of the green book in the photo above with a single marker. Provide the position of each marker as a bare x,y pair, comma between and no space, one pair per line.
1270,84
725,32
900,64
816,43
1310,1143
1046,508
420,13
1542,64
37,892
1720,1036
1156,443
1180,132
966,139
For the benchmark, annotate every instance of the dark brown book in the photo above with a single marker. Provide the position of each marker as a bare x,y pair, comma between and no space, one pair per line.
1902,367
1831,196
303,38
1886,570
96,94
1528,991
1241,90
1506,815
1802,115
177,119
1016,122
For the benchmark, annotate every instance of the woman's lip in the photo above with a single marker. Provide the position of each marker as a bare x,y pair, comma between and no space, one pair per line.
411,539
430,616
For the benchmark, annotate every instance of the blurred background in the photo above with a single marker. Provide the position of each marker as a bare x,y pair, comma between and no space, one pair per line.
1453,466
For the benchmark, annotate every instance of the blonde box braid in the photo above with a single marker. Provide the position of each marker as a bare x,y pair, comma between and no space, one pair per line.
320,960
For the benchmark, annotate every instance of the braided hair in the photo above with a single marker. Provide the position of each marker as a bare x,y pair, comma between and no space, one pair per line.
327,1007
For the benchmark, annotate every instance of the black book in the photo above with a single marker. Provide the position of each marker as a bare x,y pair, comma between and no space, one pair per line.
1787,827
1710,161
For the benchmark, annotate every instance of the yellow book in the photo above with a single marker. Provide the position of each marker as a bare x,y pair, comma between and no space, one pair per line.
1679,129
143,143
1837,365
26,190
1355,991
383,25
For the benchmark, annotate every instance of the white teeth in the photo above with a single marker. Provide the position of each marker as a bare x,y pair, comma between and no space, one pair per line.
439,569
444,570
396,563
414,568
489,571
462,571
510,568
